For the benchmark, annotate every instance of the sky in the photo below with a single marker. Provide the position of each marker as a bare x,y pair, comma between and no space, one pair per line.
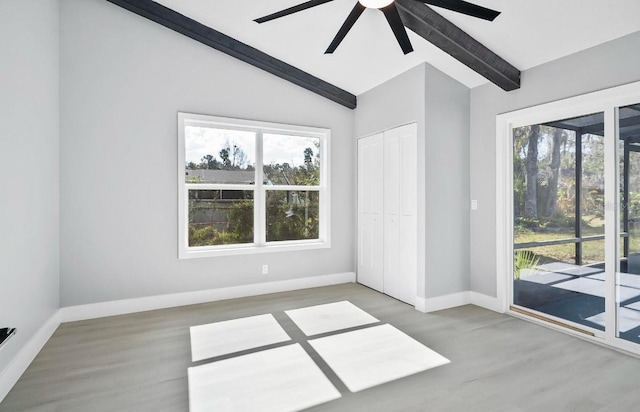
201,141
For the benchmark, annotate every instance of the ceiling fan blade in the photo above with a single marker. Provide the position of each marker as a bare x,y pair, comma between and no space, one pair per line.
346,26
291,10
465,8
393,17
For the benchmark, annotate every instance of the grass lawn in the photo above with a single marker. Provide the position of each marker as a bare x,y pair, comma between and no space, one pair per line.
592,251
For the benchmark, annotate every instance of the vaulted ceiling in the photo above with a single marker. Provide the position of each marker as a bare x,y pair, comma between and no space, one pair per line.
527,33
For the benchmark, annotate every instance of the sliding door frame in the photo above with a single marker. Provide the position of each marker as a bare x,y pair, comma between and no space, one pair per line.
605,101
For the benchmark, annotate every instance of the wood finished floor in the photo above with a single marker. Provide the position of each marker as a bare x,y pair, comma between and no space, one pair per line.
498,363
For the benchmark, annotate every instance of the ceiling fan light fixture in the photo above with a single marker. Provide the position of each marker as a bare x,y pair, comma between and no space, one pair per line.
375,4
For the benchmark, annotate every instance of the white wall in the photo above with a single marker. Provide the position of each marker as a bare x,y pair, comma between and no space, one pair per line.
123,80
29,205
607,65
440,106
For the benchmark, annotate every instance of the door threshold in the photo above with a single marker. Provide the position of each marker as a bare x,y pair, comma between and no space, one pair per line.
549,320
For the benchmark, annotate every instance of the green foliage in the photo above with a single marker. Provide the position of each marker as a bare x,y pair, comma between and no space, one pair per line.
241,215
287,220
193,179
544,224
307,174
208,236
239,228
208,162
524,259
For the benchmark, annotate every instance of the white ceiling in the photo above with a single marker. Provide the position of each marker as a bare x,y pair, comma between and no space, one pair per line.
526,34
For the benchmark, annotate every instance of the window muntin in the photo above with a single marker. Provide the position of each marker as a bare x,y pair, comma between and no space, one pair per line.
251,187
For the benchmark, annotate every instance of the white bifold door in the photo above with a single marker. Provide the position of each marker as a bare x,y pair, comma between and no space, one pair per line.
387,210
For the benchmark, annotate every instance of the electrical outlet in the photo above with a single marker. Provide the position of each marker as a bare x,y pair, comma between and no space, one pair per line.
474,204
265,269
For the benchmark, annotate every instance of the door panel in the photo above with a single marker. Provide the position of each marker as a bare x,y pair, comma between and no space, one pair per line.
627,282
558,227
400,231
370,219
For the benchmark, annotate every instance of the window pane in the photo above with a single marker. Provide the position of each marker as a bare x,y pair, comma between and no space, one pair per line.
219,155
220,217
292,215
291,160
558,196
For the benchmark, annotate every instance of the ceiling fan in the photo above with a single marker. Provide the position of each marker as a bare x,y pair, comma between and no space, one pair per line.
388,7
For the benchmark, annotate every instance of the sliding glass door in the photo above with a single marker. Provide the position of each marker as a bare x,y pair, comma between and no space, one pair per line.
574,212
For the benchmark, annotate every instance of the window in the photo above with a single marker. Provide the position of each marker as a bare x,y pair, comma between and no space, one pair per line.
251,187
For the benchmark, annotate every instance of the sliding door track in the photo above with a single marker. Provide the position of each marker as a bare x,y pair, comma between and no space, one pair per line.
549,320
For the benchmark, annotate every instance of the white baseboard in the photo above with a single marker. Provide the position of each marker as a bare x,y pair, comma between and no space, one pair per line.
458,299
14,370
126,306
487,302
442,302
10,375
23,359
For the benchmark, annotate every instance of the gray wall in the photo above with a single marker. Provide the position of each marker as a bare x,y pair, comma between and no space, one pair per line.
447,184
440,106
28,168
396,102
123,80
607,65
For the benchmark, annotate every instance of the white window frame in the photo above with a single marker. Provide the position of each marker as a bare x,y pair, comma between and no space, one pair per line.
260,245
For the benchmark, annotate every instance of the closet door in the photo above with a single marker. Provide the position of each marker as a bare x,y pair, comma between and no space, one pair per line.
370,219
400,210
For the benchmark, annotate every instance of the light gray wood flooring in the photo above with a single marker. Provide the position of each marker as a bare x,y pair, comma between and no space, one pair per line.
498,363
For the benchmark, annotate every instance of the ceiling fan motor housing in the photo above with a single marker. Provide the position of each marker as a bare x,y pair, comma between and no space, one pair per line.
375,4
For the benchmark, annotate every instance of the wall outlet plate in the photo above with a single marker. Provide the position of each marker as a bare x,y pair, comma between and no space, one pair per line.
265,269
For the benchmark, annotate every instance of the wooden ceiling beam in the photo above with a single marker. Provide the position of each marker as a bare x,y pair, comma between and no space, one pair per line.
228,45
439,31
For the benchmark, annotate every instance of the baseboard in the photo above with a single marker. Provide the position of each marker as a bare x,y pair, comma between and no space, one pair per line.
458,299
10,375
421,304
487,302
27,354
442,302
126,306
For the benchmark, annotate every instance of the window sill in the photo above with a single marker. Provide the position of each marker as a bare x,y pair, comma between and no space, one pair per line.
204,252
